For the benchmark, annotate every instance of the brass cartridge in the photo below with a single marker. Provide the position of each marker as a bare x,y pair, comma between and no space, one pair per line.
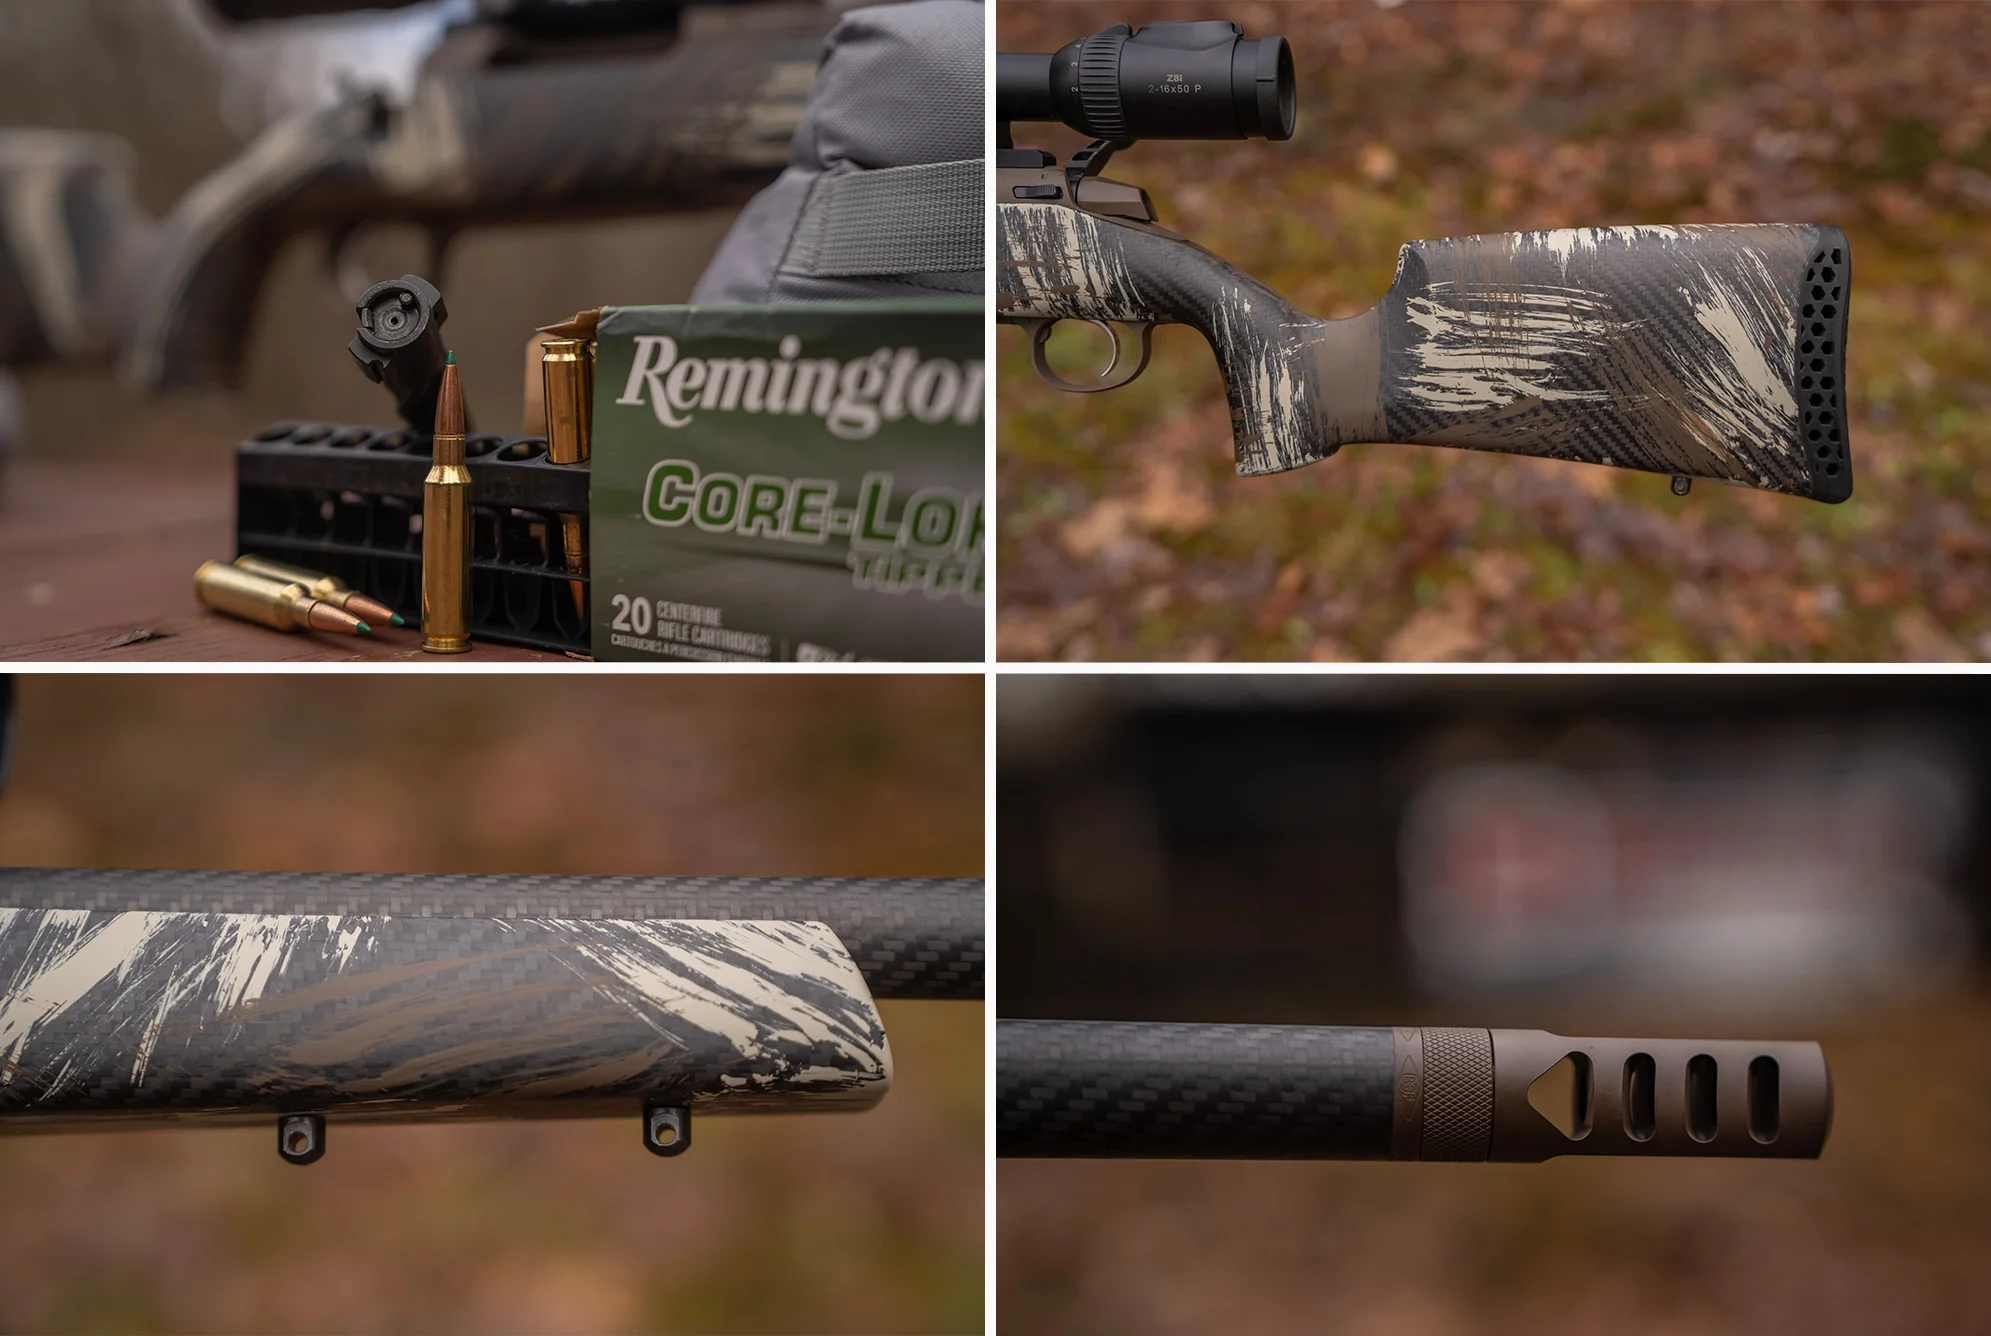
326,588
567,373
446,527
280,605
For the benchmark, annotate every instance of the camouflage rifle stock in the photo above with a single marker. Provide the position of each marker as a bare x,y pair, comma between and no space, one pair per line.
133,997
1700,351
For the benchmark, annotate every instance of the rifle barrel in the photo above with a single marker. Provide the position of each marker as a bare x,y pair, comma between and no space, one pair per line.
1139,1090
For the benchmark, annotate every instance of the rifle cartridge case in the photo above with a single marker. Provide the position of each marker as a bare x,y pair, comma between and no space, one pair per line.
278,604
567,377
1104,1089
325,588
446,527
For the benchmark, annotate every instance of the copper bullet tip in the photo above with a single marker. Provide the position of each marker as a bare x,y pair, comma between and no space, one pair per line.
371,608
324,617
449,403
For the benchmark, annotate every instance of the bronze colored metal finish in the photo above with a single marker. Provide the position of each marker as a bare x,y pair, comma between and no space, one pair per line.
446,528
567,375
277,604
326,588
1464,1094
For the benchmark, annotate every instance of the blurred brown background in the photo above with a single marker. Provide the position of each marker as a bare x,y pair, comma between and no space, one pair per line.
1767,857
1125,535
867,1223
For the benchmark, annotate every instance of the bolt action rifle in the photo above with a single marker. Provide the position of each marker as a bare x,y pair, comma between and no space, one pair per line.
136,997
1700,351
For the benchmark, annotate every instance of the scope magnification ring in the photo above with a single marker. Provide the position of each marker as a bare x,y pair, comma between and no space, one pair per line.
1099,84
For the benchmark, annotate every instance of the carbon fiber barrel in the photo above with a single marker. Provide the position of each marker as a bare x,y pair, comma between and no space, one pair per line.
913,937
1150,1091
1139,1090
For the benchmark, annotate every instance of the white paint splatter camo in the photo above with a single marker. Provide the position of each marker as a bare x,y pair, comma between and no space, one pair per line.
1705,351
174,1015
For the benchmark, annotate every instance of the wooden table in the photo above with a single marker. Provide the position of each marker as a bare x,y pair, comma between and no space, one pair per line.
97,562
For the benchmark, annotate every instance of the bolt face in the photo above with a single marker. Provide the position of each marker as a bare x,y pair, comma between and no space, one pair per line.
666,1129
301,1138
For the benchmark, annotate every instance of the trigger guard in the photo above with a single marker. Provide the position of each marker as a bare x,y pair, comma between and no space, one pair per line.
1040,332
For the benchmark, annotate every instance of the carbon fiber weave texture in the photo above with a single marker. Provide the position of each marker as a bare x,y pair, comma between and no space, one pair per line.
169,1014
1058,262
913,937
1154,1091
1664,349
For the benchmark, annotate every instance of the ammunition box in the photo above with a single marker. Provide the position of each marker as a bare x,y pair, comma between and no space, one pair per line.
788,483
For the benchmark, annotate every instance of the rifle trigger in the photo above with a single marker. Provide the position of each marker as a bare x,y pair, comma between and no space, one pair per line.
1040,334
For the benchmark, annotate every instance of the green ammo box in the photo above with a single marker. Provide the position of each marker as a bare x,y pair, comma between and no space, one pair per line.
779,483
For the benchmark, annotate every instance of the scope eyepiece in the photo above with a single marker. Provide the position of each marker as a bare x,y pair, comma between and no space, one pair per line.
1196,80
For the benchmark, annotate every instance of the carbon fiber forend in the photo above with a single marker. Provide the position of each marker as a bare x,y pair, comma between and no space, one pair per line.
1156,1091
913,937
169,1015
1458,1094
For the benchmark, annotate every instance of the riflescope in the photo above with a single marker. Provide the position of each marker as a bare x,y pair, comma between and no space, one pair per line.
1198,80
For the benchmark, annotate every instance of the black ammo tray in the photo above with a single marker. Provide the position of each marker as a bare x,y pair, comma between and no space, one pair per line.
347,500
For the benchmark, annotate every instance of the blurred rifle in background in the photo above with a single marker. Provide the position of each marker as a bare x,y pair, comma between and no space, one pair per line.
533,111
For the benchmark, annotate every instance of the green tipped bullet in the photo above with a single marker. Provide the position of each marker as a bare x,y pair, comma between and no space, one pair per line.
396,619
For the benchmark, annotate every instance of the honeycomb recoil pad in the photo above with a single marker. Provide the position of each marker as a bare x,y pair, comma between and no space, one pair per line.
1191,80
1168,1091
399,344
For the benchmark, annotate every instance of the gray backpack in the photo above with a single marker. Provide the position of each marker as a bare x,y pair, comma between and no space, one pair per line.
883,195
